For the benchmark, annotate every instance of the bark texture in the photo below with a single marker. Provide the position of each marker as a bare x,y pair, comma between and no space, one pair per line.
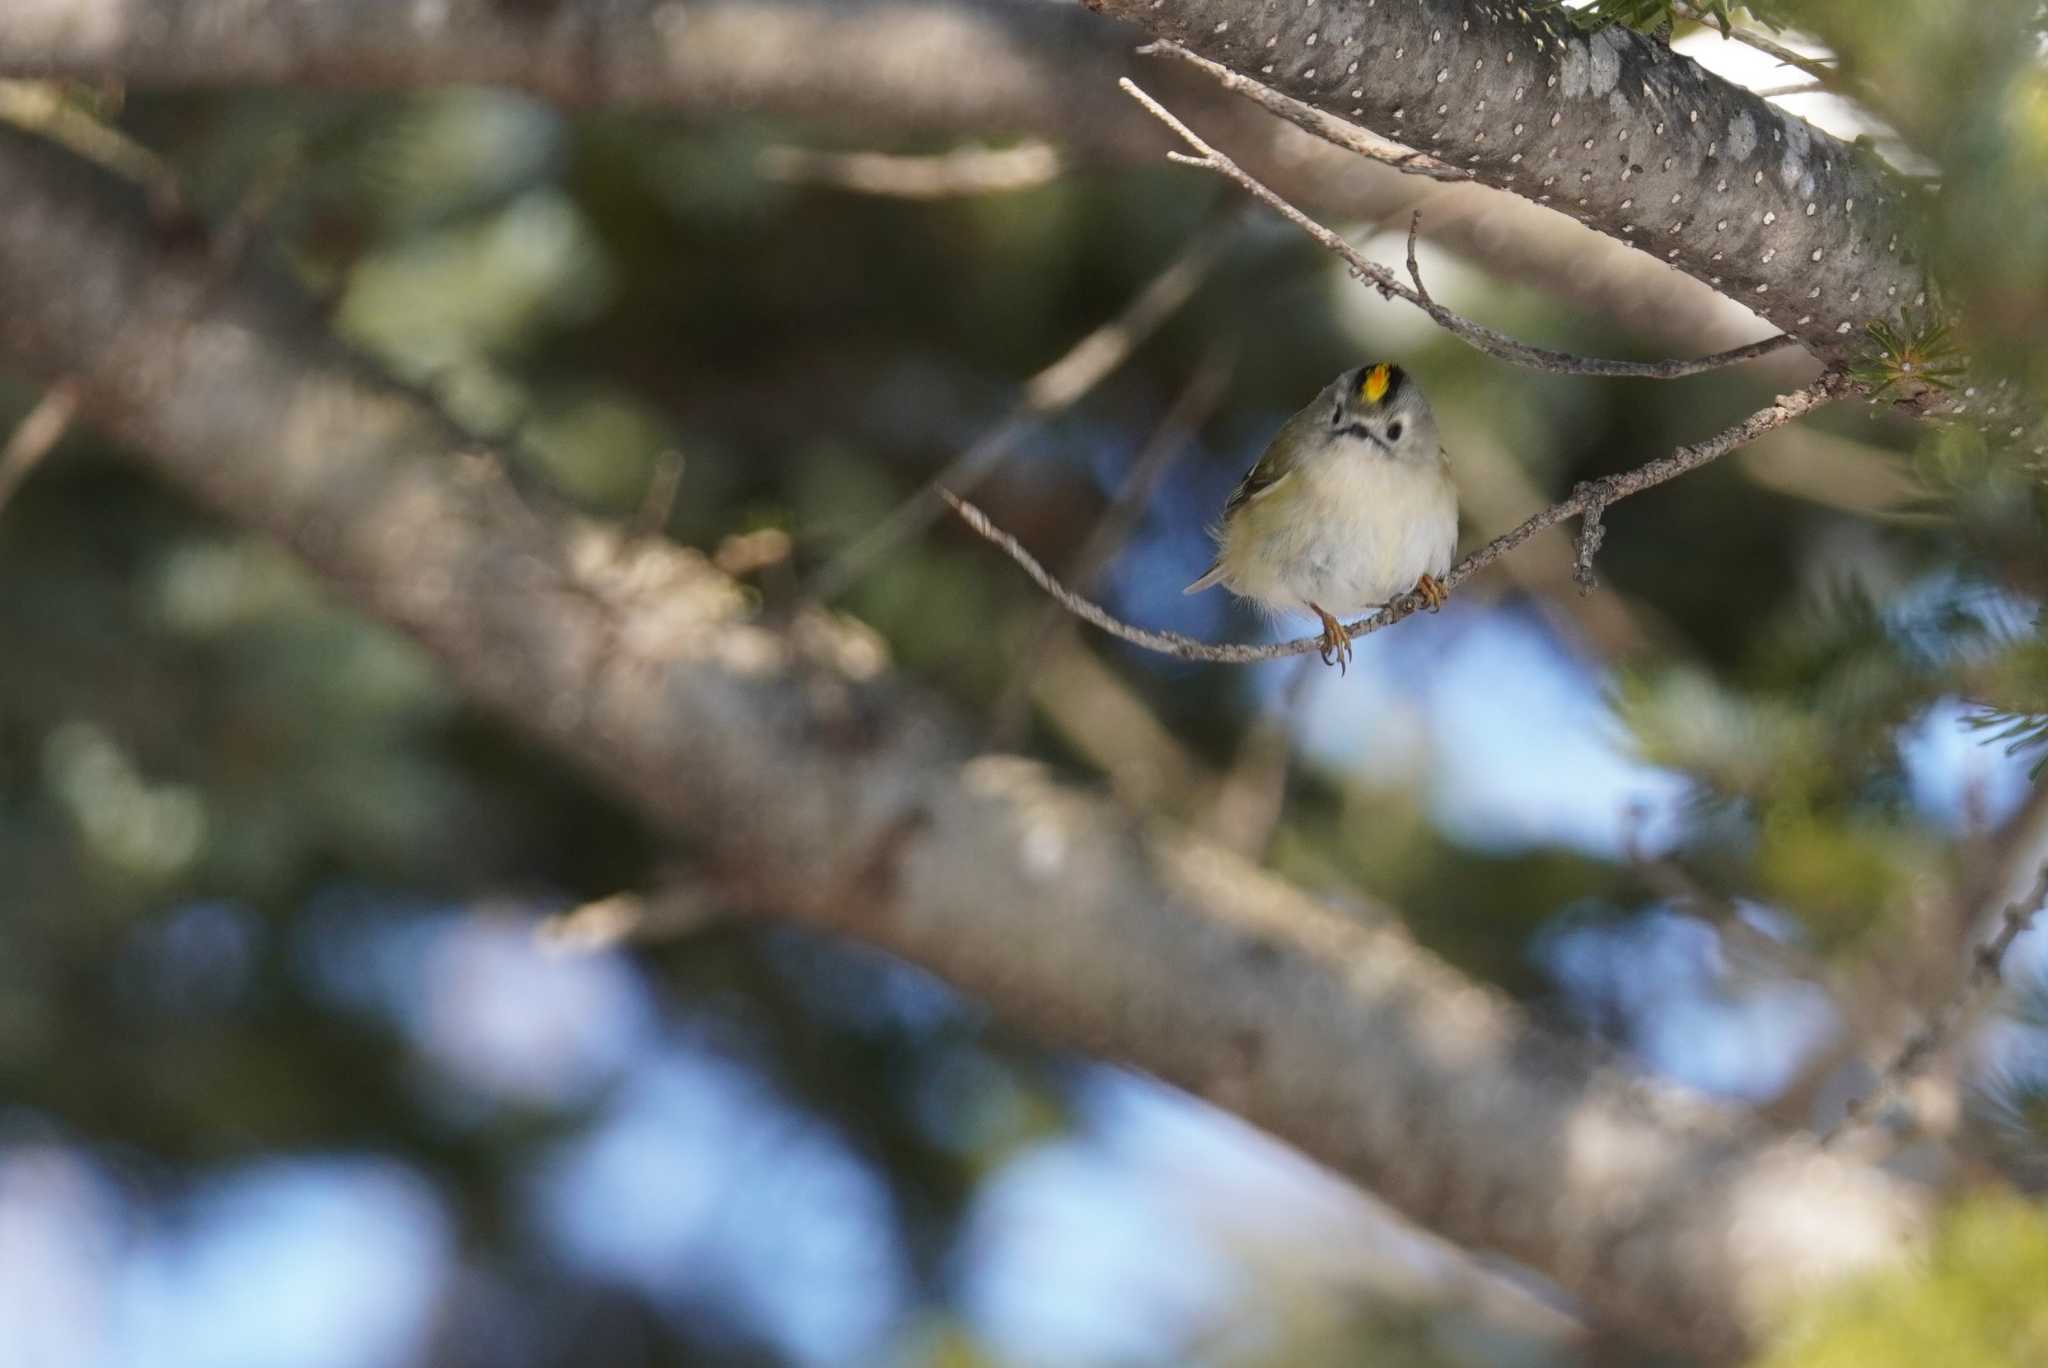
814,785
1611,127
883,67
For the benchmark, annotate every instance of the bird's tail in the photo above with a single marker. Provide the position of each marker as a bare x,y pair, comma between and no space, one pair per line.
1210,576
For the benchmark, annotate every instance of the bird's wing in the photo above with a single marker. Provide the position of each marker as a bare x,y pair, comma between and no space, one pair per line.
1273,469
1274,465
1261,480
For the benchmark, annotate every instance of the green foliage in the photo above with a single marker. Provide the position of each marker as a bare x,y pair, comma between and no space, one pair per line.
1847,878
1976,1302
599,447
1811,722
1962,83
1738,746
1801,757
1950,461
2006,1108
2011,688
1920,354
2016,731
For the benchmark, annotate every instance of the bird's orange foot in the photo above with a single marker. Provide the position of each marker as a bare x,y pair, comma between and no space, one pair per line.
1432,591
1336,641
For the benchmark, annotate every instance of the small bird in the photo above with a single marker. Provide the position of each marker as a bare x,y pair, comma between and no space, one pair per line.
1350,505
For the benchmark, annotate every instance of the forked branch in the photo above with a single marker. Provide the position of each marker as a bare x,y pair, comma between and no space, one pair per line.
1591,498
1478,335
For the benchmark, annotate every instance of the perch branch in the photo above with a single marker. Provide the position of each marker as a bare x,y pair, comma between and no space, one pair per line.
1594,496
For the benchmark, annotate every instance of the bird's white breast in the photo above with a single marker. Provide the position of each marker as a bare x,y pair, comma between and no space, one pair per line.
1378,526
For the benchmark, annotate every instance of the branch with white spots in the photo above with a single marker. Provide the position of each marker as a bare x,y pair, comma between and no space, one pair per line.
1610,127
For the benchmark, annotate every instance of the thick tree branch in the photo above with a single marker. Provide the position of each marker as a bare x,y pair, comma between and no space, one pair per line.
1309,119
811,783
1610,127
970,68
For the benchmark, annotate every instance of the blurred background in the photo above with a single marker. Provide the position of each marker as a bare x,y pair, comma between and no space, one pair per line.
341,1029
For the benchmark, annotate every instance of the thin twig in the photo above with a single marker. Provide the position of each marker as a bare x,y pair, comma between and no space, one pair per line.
946,175
1793,88
1188,411
1307,117
1477,335
1602,494
1812,66
1414,266
1495,492
1978,988
1591,535
677,908
41,428
1988,967
1869,993
40,108
1086,364
1190,408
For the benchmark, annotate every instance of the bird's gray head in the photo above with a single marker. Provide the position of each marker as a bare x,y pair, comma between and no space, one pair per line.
1381,407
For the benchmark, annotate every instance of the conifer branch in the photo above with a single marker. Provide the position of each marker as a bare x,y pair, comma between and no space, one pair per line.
1592,497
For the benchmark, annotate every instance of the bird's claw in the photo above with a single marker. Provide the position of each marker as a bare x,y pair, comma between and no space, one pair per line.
1336,644
1432,592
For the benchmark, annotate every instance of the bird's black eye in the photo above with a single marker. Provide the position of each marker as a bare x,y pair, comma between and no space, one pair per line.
1337,416
1394,431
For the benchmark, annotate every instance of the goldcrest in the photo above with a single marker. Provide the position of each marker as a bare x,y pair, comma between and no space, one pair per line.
1351,505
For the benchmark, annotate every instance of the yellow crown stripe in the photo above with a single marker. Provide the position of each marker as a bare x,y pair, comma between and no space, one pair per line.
1374,387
